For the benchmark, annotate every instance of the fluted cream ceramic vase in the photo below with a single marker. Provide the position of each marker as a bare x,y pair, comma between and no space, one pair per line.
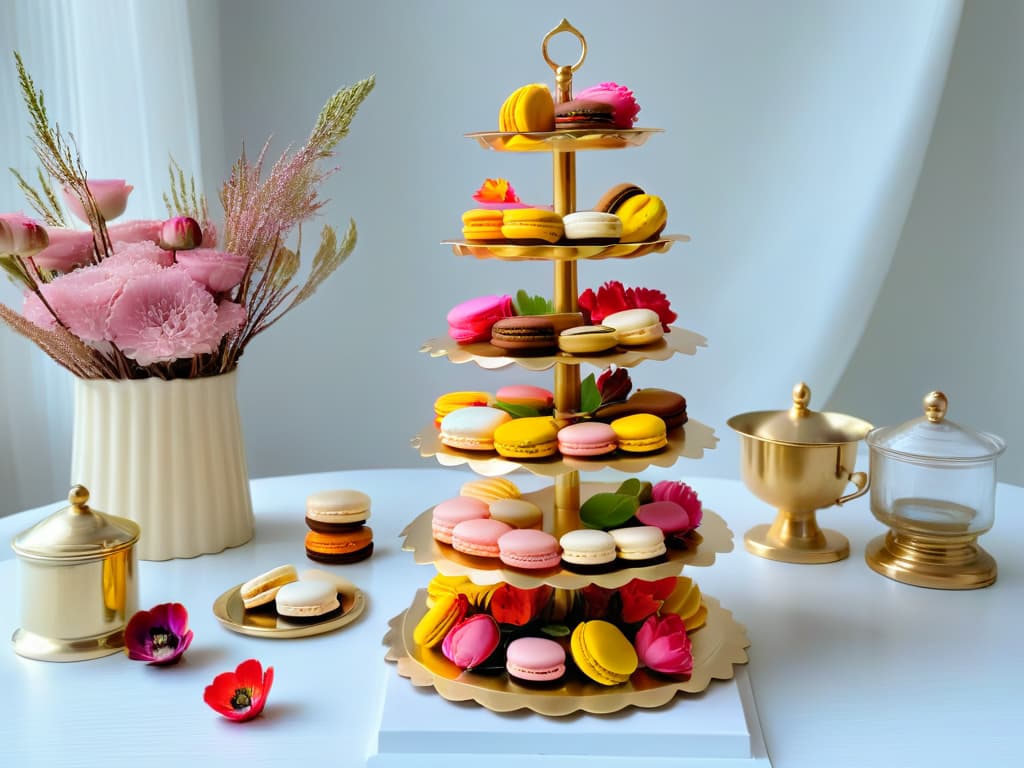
168,455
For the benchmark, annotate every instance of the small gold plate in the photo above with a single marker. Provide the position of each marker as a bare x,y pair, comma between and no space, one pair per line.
264,622
563,251
565,140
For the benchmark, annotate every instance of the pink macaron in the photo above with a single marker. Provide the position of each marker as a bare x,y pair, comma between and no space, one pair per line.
479,537
469,643
526,394
588,438
471,320
530,549
450,513
535,659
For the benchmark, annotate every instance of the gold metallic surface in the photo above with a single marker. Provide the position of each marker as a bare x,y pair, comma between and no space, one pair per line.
940,561
264,621
78,579
564,26
566,506
712,538
718,646
935,406
799,461
564,140
506,251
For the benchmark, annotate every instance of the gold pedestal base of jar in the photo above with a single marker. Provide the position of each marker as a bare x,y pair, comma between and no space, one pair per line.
947,562
33,646
794,537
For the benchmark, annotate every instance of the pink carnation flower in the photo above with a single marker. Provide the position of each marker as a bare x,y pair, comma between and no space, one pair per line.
168,315
139,258
81,299
218,270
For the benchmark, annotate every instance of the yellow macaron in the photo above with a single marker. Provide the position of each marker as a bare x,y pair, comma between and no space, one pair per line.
640,433
447,611
482,225
602,652
529,108
532,437
643,217
532,225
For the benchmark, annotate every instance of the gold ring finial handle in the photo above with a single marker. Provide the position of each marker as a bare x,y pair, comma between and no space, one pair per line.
564,26
801,398
859,479
935,406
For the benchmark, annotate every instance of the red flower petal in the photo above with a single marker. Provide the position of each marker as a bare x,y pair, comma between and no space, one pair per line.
240,695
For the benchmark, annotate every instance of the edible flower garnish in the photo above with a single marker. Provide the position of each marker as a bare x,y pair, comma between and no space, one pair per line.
496,191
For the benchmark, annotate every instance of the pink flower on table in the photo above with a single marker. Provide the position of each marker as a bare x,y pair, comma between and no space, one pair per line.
110,195
158,636
663,645
21,235
181,233
218,270
168,315
67,249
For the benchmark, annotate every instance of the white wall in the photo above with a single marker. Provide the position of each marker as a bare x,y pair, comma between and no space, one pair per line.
950,313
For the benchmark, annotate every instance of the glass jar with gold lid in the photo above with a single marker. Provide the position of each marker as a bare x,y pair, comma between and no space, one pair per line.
933,484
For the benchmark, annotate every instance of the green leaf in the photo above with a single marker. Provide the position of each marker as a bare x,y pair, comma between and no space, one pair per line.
517,411
555,630
590,397
527,304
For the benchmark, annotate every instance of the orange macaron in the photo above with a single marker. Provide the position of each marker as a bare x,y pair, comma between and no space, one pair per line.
340,548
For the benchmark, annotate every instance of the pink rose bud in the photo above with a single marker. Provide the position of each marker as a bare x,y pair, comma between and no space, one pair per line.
181,233
110,195
21,235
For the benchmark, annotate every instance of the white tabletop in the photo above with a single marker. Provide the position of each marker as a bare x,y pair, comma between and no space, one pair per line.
848,668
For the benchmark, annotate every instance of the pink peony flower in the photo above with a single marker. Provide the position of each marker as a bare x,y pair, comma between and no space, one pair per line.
663,645
182,233
624,106
167,315
218,270
683,495
68,248
110,195
158,636
21,235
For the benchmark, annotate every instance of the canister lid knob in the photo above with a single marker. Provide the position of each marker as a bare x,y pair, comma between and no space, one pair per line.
801,398
79,498
935,405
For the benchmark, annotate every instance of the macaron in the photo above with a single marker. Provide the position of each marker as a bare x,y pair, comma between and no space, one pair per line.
451,512
262,589
604,511
470,321
587,551
595,227
340,548
472,429
535,660
640,433
337,510
447,611
526,395
452,401
643,218
482,225
587,438
479,537
490,489
531,226
611,200
669,517
528,108
635,327
526,335
471,642
603,653
669,406
529,549
588,340
640,545
583,114
519,513
528,438
313,599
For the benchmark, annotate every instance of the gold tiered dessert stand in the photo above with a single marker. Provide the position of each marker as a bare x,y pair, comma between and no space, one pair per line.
717,646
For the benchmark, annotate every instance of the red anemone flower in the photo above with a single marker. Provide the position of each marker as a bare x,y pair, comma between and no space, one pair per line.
242,694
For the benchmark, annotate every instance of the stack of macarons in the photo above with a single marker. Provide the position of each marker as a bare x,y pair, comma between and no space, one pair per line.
643,216
338,533
310,596
470,420
532,108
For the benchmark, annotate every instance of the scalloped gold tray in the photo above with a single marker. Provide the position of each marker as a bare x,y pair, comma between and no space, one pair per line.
563,251
231,613
564,141
679,341
713,537
717,647
690,441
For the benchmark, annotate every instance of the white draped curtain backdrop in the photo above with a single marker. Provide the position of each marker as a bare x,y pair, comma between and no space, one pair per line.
795,134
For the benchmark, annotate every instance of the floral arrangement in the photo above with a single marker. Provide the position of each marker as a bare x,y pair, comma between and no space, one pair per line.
170,298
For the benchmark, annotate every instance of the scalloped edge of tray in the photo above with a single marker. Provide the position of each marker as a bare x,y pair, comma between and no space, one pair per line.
689,442
718,647
564,140
679,341
563,251
713,537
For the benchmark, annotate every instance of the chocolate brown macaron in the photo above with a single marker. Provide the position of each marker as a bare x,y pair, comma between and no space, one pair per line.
525,335
669,406
611,200
583,114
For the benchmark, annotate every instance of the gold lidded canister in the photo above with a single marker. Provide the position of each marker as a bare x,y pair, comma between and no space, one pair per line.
78,583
